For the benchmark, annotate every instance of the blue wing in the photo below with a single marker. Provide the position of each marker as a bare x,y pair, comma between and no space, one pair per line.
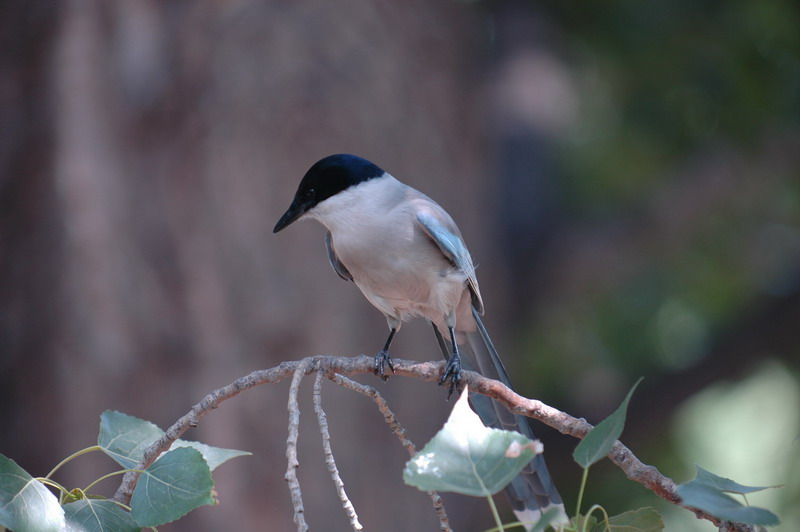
452,246
338,267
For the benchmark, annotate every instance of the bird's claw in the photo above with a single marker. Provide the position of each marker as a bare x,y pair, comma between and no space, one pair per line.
382,359
452,370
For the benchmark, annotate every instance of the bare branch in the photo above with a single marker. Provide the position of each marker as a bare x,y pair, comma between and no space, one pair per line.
211,401
398,430
646,475
391,420
291,445
329,460
634,469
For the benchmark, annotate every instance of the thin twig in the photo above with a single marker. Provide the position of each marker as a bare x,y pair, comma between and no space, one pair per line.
391,420
329,459
646,475
348,365
398,430
291,447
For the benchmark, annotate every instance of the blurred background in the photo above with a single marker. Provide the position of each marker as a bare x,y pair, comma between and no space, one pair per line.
627,175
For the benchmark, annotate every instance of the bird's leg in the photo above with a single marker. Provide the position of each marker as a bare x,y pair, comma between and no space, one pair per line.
453,367
384,358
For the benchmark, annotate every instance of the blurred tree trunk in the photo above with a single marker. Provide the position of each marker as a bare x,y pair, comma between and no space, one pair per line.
147,150
30,235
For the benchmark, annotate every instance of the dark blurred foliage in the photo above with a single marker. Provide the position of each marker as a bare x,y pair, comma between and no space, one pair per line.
627,175
674,252
683,155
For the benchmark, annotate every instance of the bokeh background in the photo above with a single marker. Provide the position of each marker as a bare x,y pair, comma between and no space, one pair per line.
627,175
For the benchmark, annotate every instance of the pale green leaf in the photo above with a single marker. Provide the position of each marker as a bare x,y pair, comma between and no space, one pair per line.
26,505
550,516
214,455
713,501
641,520
124,438
93,515
599,441
174,485
725,484
469,458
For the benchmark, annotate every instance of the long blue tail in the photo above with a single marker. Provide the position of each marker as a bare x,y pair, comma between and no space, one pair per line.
532,492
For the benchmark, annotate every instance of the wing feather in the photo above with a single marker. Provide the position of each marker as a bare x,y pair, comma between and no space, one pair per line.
338,267
452,247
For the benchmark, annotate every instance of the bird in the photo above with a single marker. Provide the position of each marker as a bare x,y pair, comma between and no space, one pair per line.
407,256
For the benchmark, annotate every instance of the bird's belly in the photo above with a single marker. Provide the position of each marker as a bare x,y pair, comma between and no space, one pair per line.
405,285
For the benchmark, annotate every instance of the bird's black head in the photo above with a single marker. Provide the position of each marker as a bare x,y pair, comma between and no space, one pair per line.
326,178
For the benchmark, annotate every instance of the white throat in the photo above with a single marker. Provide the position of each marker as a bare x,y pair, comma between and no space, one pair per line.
358,206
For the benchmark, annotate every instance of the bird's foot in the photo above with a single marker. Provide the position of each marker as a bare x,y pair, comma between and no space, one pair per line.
452,370
382,359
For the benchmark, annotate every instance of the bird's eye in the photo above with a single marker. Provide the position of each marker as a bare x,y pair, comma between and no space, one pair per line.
310,193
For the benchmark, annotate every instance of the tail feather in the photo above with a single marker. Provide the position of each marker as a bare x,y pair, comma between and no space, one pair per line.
533,491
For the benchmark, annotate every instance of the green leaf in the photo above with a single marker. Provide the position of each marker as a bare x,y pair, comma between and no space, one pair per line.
641,520
26,505
713,501
584,522
725,484
466,457
599,441
550,516
93,515
124,438
174,485
214,456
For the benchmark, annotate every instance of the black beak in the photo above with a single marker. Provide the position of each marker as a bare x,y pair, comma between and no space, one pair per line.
295,211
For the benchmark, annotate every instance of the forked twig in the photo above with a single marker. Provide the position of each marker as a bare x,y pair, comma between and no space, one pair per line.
291,447
329,460
398,430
